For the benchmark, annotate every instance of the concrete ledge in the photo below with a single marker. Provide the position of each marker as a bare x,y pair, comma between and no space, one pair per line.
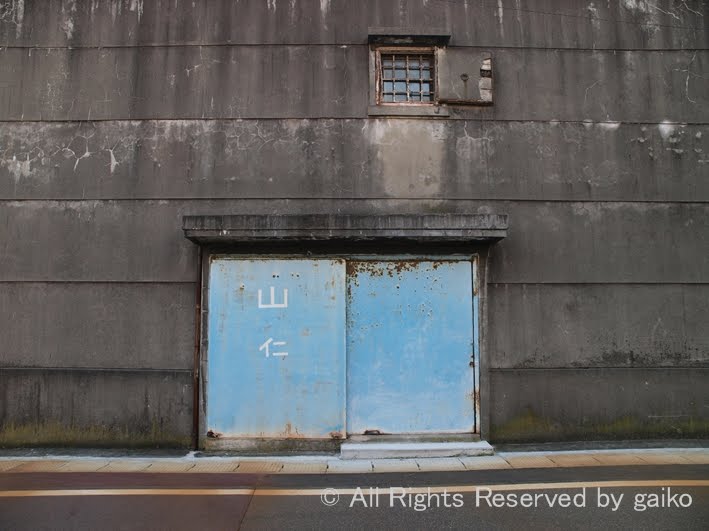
440,111
409,35
434,227
417,449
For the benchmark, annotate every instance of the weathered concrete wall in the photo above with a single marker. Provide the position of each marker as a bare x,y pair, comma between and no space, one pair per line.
99,325
119,117
328,81
554,242
608,403
661,24
355,158
88,406
600,325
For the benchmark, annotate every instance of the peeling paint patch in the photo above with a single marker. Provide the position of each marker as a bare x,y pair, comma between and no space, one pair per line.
18,168
637,5
500,17
13,12
19,6
592,212
609,126
137,5
113,163
67,24
666,129
471,149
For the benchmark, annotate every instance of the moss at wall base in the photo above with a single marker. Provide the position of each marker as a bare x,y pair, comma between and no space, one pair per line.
58,435
531,427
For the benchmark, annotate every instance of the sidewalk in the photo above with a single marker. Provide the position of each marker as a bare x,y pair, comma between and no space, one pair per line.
331,464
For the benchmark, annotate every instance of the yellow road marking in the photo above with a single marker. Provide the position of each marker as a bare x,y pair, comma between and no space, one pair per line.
348,491
125,492
500,487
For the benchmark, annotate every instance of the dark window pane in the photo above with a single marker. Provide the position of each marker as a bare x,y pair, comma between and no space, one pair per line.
425,87
388,98
427,97
401,97
388,86
400,63
386,63
388,74
425,74
414,87
400,74
400,86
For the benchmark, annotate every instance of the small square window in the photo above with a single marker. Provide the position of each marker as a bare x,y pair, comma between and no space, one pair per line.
404,71
405,76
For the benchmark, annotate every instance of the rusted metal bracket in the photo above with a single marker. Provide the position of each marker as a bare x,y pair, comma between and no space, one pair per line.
464,77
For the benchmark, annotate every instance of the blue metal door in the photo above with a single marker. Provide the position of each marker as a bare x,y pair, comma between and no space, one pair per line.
410,347
276,348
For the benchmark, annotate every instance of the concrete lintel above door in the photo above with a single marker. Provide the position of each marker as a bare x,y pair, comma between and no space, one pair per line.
215,229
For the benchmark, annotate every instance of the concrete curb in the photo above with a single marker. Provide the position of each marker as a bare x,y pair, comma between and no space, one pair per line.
333,465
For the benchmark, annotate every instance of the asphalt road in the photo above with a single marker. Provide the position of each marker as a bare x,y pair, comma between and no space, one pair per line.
563,498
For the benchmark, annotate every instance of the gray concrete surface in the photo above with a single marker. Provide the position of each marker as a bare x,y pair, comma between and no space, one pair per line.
86,407
558,242
625,25
356,158
105,325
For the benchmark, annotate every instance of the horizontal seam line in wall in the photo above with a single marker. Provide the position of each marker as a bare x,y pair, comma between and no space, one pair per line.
494,284
296,198
45,281
94,369
610,283
340,45
597,368
352,118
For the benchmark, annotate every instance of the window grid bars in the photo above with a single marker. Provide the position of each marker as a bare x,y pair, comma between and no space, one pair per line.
423,70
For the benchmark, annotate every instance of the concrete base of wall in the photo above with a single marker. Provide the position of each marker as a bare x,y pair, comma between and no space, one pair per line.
357,447
255,446
546,405
91,408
